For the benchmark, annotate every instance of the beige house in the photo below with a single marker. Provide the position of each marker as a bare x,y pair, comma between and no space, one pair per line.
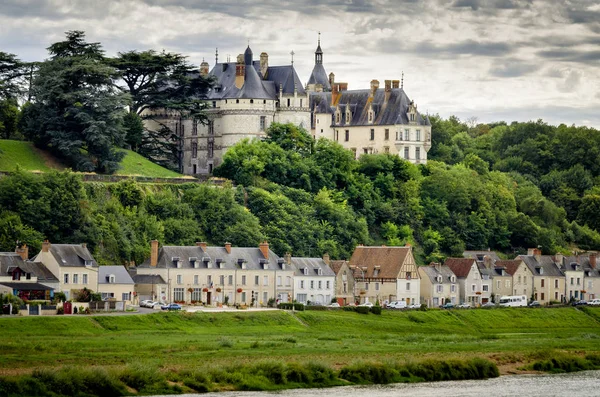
548,279
25,279
72,264
591,277
219,275
385,274
521,282
469,279
115,283
147,286
344,282
438,285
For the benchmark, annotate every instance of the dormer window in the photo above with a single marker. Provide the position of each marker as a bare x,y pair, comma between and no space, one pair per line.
320,271
194,262
306,271
87,263
540,270
220,263
337,117
370,116
376,272
439,279
176,261
408,275
452,279
110,279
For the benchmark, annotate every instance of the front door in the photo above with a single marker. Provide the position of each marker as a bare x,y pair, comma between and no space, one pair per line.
208,298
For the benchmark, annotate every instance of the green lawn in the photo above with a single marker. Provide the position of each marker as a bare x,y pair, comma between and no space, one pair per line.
30,158
23,154
175,341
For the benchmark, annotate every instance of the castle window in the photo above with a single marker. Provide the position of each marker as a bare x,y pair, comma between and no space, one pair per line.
337,135
194,150
237,101
211,128
288,102
365,150
347,135
387,134
398,135
300,102
406,134
251,100
263,121
195,127
370,116
210,149
337,118
264,101
214,104
412,117
418,135
372,134
418,153
386,149
406,153
354,152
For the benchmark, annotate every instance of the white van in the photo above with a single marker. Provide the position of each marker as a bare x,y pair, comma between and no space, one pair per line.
397,305
513,301
594,302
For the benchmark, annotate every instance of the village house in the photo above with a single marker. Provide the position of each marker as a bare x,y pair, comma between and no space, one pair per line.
501,281
591,277
314,280
548,279
581,276
219,275
23,278
147,286
438,285
72,264
115,283
386,274
521,278
344,282
469,279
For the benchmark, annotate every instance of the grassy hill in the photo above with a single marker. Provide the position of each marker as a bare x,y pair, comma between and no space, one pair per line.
30,158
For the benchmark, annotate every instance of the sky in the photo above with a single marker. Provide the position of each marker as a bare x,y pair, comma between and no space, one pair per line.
484,60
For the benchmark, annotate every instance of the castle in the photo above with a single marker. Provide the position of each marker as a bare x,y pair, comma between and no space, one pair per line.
250,94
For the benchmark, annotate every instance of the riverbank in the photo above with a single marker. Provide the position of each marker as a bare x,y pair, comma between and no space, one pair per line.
173,347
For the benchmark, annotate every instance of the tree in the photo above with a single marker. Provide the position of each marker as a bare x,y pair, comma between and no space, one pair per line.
290,137
77,112
9,119
12,72
159,82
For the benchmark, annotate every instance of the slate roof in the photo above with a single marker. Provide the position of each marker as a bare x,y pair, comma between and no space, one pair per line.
394,111
433,272
120,273
545,262
27,286
389,260
9,260
319,76
148,279
251,256
72,255
510,266
460,266
475,254
313,265
584,262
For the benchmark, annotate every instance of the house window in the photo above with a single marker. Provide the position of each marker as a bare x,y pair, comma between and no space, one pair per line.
406,134
485,288
453,288
519,279
251,100
372,134
195,127
265,297
370,116
214,103
555,283
473,287
265,280
66,278
386,149
178,294
305,271
243,280
243,297
376,286
386,135
302,284
222,280
418,153
211,128
256,280
507,284
301,298
556,296
572,280
440,289
365,151
327,285
418,133
542,295
337,135
84,278
398,135
194,150
279,281
412,117
578,281
366,286
408,286
543,283
179,279
197,294
230,280
320,284
498,284
406,153
125,296
288,281
312,284
263,122
347,137
195,279
354,152
76,278
408,275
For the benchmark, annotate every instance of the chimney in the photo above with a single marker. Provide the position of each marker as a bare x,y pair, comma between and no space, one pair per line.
487,261
326,258
288,258
83,245
331,78
558,258
334,94
228,247
264,64
530,251
342,86
264,248
23,251
395,83
240,71
46,246
374,87
204,69
153,253
388,89
593,260
201,245
537,253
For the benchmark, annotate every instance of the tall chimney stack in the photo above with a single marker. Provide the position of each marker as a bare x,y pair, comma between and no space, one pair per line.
374,87
153,253
46,246
331,79
23,251
326,258
202,245
240,71
228,247
264,64
593,260
395,83
334,94
204,68
264,248
288,258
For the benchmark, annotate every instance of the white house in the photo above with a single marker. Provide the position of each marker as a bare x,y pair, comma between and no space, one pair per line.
314,281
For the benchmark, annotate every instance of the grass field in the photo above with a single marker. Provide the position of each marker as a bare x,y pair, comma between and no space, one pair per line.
30,158
186,352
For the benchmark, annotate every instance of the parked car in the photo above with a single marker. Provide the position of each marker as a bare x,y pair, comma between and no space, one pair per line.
171,306
153,305
413,306
397,305
580,303
334,304
488,305
463,306
366,304
534,304
594,302
145,303
447,305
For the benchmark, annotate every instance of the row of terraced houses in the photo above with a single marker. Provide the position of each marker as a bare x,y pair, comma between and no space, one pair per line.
217,275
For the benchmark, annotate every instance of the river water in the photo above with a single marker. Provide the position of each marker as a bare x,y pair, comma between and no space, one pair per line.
585,383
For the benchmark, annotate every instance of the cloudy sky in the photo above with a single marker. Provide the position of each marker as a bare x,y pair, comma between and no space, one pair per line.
489,59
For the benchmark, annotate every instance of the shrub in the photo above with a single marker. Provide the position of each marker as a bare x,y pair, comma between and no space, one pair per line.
362,309
376,309
312,307
564,363
349,308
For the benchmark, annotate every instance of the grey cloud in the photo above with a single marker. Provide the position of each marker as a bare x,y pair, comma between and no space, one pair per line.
427,48
472,4
513,68
571,55
53,10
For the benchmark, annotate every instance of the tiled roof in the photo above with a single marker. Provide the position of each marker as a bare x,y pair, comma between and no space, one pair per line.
388,259
337,265
12,260
148,279
26,286
460,266
510,266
